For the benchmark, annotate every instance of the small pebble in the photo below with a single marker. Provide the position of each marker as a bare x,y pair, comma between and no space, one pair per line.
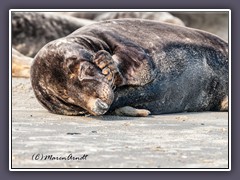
73,133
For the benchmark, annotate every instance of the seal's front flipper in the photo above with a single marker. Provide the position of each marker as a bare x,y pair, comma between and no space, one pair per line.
109,68
130,111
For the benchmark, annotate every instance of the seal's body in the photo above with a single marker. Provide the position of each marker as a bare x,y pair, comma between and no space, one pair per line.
160,67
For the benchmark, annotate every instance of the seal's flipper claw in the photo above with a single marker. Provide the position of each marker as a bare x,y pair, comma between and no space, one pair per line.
102,59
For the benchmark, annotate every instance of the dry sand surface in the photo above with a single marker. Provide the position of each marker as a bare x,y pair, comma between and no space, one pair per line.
44,140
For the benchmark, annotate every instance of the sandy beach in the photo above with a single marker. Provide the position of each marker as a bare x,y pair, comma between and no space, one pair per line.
44,140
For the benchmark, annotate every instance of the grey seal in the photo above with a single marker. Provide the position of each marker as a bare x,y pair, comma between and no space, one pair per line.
144,64
156,16
20,64
32,30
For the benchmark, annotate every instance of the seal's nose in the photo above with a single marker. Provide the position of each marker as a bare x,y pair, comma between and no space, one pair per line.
101,105
99,108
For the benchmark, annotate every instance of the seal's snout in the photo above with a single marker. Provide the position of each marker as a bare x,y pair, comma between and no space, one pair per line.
100,104
99,107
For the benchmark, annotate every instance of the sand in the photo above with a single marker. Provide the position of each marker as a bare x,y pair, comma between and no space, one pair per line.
44,140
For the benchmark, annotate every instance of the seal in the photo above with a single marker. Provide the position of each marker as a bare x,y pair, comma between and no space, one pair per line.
32,30
20,64
148,65
156,16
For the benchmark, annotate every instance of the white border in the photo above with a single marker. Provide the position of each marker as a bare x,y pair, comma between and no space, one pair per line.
230,90
123,10
117,10
10,90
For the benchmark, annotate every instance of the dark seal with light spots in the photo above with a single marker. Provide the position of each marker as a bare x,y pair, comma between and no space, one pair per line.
131,64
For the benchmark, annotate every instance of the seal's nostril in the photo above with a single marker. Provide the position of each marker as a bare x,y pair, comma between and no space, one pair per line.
101,104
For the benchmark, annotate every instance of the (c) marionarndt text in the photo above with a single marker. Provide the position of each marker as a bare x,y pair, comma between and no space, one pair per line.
69,157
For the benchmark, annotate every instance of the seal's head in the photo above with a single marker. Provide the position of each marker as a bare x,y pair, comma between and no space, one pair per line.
88,88
66,81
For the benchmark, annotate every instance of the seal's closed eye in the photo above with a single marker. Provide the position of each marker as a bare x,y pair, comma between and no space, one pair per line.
71,64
